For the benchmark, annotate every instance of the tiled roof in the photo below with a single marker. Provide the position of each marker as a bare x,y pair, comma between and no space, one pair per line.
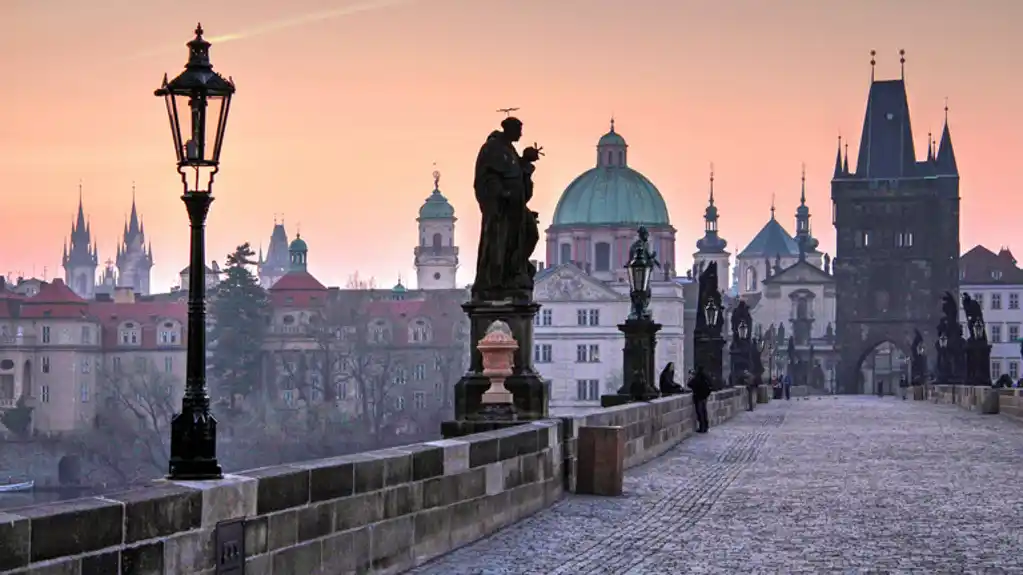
298,281
770,242
148,315
297,288
55,300
983,266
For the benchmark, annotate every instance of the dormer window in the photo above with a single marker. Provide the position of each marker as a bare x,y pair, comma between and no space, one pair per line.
170,333
379,331
996,274
129,334
419,331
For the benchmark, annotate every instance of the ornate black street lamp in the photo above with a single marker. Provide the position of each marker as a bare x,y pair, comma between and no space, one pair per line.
202,98
711,312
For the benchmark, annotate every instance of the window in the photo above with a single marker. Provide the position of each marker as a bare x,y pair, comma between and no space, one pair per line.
86,365
400,376
438,241
996,368
587,353
589,317
419,400
996,274
341,390
289,397
419,372
545,317
996,301
379,331
1014,301
1013,333
87,334
566,253
83,392
168,364
1014,370
45,365
587,389
129,334
904,240
115,362
44,393
542,353
140,364
602,257
580,317
46,334
995,332
979,298
751,278
169,333
419,331
399,403
862,239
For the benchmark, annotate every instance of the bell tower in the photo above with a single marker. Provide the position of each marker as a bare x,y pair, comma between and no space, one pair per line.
711,247
436,256
80,257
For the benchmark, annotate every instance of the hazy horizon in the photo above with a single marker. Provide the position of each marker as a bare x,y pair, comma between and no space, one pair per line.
378,92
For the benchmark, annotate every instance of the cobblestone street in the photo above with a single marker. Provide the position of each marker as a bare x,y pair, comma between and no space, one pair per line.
831,485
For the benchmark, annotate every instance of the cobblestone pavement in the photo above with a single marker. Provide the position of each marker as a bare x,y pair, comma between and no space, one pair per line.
831,485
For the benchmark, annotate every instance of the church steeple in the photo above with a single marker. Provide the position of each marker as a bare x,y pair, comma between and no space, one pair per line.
946,156
804,236
79,258
134,257
298,252
711,242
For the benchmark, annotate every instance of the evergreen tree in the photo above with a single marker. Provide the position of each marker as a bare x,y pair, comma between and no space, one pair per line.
239,312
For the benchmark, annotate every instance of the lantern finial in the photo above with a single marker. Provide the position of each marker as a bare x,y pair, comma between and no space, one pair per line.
198,29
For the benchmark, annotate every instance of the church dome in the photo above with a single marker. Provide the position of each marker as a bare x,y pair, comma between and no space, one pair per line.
436,206
612,192
298,245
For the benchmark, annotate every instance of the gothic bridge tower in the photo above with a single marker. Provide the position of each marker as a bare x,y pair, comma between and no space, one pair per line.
897,232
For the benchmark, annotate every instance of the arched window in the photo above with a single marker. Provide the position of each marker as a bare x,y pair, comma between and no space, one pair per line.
419,331
602,257
129,333
566,253
438,241
379,331
621,158
609,160
751,278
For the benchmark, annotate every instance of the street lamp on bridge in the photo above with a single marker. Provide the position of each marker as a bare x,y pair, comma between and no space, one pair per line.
202,98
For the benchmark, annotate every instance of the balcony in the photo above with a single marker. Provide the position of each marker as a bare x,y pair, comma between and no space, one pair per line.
8,403
436,251
17,340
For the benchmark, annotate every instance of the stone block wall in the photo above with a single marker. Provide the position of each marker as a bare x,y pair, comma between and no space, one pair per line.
982,398
375,512
1010,403
651,428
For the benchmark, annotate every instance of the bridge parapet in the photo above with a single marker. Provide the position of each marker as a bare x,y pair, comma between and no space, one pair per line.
379,511
983,398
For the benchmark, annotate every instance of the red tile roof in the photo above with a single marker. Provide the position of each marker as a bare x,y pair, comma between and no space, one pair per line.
55,300
148,315
983,266
297,289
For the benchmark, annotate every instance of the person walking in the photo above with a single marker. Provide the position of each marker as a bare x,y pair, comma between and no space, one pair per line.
787,385
700,384
751,389
903,387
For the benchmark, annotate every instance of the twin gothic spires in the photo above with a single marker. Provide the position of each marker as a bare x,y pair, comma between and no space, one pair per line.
887,148
81,252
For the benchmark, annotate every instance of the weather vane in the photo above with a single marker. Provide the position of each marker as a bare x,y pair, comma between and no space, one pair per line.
507,111
436,177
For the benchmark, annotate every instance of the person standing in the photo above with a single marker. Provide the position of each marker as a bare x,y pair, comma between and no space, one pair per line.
903,386
787,385
700,384
751,389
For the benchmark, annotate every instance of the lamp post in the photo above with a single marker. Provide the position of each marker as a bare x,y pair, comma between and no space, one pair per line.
202,98
639,329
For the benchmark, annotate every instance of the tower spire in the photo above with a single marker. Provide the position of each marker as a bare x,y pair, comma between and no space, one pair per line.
712,183
873,63
772,205
838,157
902,64
845,162
802,186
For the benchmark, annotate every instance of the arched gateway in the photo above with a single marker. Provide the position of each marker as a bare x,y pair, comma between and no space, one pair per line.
897,234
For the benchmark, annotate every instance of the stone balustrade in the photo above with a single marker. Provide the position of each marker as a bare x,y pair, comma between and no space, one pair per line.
982,398
376,512
1010,403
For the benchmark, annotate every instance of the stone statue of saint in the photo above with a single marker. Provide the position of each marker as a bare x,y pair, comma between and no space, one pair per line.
974,317
508,234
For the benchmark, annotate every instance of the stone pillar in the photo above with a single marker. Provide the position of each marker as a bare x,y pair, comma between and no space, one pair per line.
638,358
600,460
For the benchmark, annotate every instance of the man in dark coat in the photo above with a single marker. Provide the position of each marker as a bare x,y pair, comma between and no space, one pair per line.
700,384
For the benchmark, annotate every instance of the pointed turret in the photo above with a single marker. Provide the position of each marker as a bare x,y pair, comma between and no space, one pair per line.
134,257
946,156
838,159
80,257
711,242
845,160
804,237
886,143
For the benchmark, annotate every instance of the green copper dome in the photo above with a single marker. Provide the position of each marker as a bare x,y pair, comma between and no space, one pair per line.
612,192
298,245
436,206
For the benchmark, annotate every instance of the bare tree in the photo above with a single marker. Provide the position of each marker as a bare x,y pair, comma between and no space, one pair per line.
130,438
357,283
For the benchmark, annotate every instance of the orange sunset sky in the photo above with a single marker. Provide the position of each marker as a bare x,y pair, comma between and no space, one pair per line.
343,107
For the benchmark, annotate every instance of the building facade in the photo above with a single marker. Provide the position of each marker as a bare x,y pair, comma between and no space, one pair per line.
897,233
63,355
996,282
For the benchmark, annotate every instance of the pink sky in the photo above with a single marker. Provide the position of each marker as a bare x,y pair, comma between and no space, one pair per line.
338,120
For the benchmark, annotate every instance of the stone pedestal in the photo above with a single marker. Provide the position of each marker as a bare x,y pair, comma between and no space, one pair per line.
978,362
763,393
708,352
919,393
600,460
988,400
530,393
638,369
739,360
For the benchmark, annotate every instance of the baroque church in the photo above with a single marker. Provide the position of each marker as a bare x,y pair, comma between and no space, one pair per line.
131,268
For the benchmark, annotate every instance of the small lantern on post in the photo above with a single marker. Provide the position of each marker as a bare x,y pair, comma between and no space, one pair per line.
743,330
711,313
